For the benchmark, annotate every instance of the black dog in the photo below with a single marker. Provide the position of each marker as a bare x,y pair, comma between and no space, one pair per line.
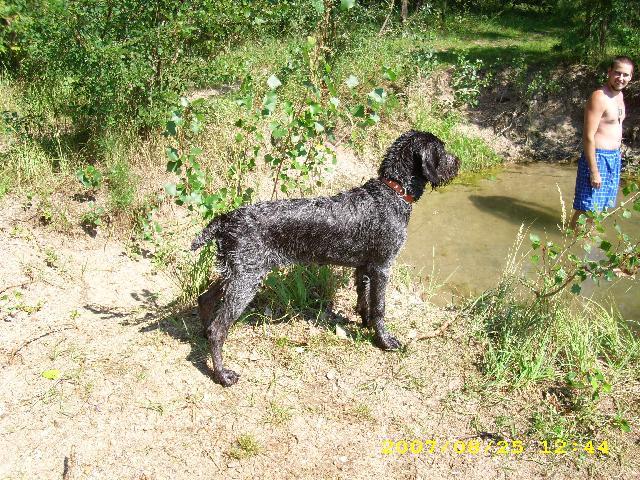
362,228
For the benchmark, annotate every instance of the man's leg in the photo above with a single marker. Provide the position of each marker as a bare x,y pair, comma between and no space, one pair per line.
574,220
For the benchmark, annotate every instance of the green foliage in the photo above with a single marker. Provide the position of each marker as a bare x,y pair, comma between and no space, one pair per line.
183,127
245,446
122,185
93,217
532,334
90,177
559,266
302,289
425,61
474,153
468,81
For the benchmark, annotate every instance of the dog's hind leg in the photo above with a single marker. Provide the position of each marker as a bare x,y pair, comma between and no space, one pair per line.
379,278
207,303
362,289
238,291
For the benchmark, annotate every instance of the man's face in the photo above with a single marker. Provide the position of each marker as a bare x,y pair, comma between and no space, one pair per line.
619,76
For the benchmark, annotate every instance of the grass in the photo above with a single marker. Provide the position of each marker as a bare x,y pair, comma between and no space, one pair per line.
580,357
246,446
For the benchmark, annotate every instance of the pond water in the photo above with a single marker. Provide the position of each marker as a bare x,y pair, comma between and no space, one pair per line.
460,236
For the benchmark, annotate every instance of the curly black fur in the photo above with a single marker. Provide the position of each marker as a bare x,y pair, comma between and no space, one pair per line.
362,228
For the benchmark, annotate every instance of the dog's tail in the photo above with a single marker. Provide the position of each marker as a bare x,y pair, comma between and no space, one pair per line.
206,235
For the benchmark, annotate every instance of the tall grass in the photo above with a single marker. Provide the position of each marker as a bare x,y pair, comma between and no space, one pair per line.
563,347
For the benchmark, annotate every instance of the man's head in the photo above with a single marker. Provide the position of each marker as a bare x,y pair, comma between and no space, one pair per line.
619,73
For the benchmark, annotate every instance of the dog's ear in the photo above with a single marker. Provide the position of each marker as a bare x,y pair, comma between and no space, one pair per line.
430,156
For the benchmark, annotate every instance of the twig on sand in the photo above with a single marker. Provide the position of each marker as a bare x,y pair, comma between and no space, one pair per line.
70,464
17,349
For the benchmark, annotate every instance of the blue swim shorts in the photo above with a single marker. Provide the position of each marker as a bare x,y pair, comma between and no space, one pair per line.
588,198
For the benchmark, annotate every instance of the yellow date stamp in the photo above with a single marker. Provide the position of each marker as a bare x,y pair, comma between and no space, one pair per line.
476,446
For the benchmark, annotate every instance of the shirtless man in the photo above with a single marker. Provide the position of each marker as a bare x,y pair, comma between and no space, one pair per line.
598,175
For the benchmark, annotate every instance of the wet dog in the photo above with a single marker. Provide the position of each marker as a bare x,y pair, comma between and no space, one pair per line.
362,228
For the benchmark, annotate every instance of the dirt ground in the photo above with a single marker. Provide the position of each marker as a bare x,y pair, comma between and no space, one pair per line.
129,396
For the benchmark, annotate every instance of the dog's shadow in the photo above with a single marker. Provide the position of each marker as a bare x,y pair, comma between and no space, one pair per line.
299,293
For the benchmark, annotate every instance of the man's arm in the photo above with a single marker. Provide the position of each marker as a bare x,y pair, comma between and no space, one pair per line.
592,115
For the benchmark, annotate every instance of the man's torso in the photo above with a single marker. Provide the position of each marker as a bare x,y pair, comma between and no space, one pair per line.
609,133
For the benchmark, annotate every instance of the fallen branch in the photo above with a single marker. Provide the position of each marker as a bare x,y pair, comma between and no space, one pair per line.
70,465
16,350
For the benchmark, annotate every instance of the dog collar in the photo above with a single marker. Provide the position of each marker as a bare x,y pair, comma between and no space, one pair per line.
399,189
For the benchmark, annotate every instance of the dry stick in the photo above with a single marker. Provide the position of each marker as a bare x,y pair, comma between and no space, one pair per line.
18,285
70,464
440,330
15,351
384,25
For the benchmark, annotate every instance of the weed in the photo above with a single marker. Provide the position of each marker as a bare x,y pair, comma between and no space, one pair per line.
302,289
278,414
93,218
90,177
10,304
51,257
467,81
363,412
245,446
122,185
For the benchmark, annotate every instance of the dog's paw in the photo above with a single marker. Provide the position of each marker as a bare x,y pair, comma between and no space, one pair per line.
226,377
386,341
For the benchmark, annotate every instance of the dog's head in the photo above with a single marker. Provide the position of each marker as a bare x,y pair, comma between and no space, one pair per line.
437,165
417,158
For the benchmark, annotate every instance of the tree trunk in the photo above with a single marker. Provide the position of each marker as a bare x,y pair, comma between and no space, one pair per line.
404,10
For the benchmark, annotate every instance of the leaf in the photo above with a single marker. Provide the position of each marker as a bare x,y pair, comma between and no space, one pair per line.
389,73
630,188
51,374
561,275
606,246
315,108
269,103
171,189
318,5
172,130
273,82
174,167
172,154
196,126
347,4
352,81
535,241
576,288
623,425
378,95
358,111
278,131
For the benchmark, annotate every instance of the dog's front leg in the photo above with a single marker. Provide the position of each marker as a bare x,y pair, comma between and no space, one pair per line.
379,277
362,288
